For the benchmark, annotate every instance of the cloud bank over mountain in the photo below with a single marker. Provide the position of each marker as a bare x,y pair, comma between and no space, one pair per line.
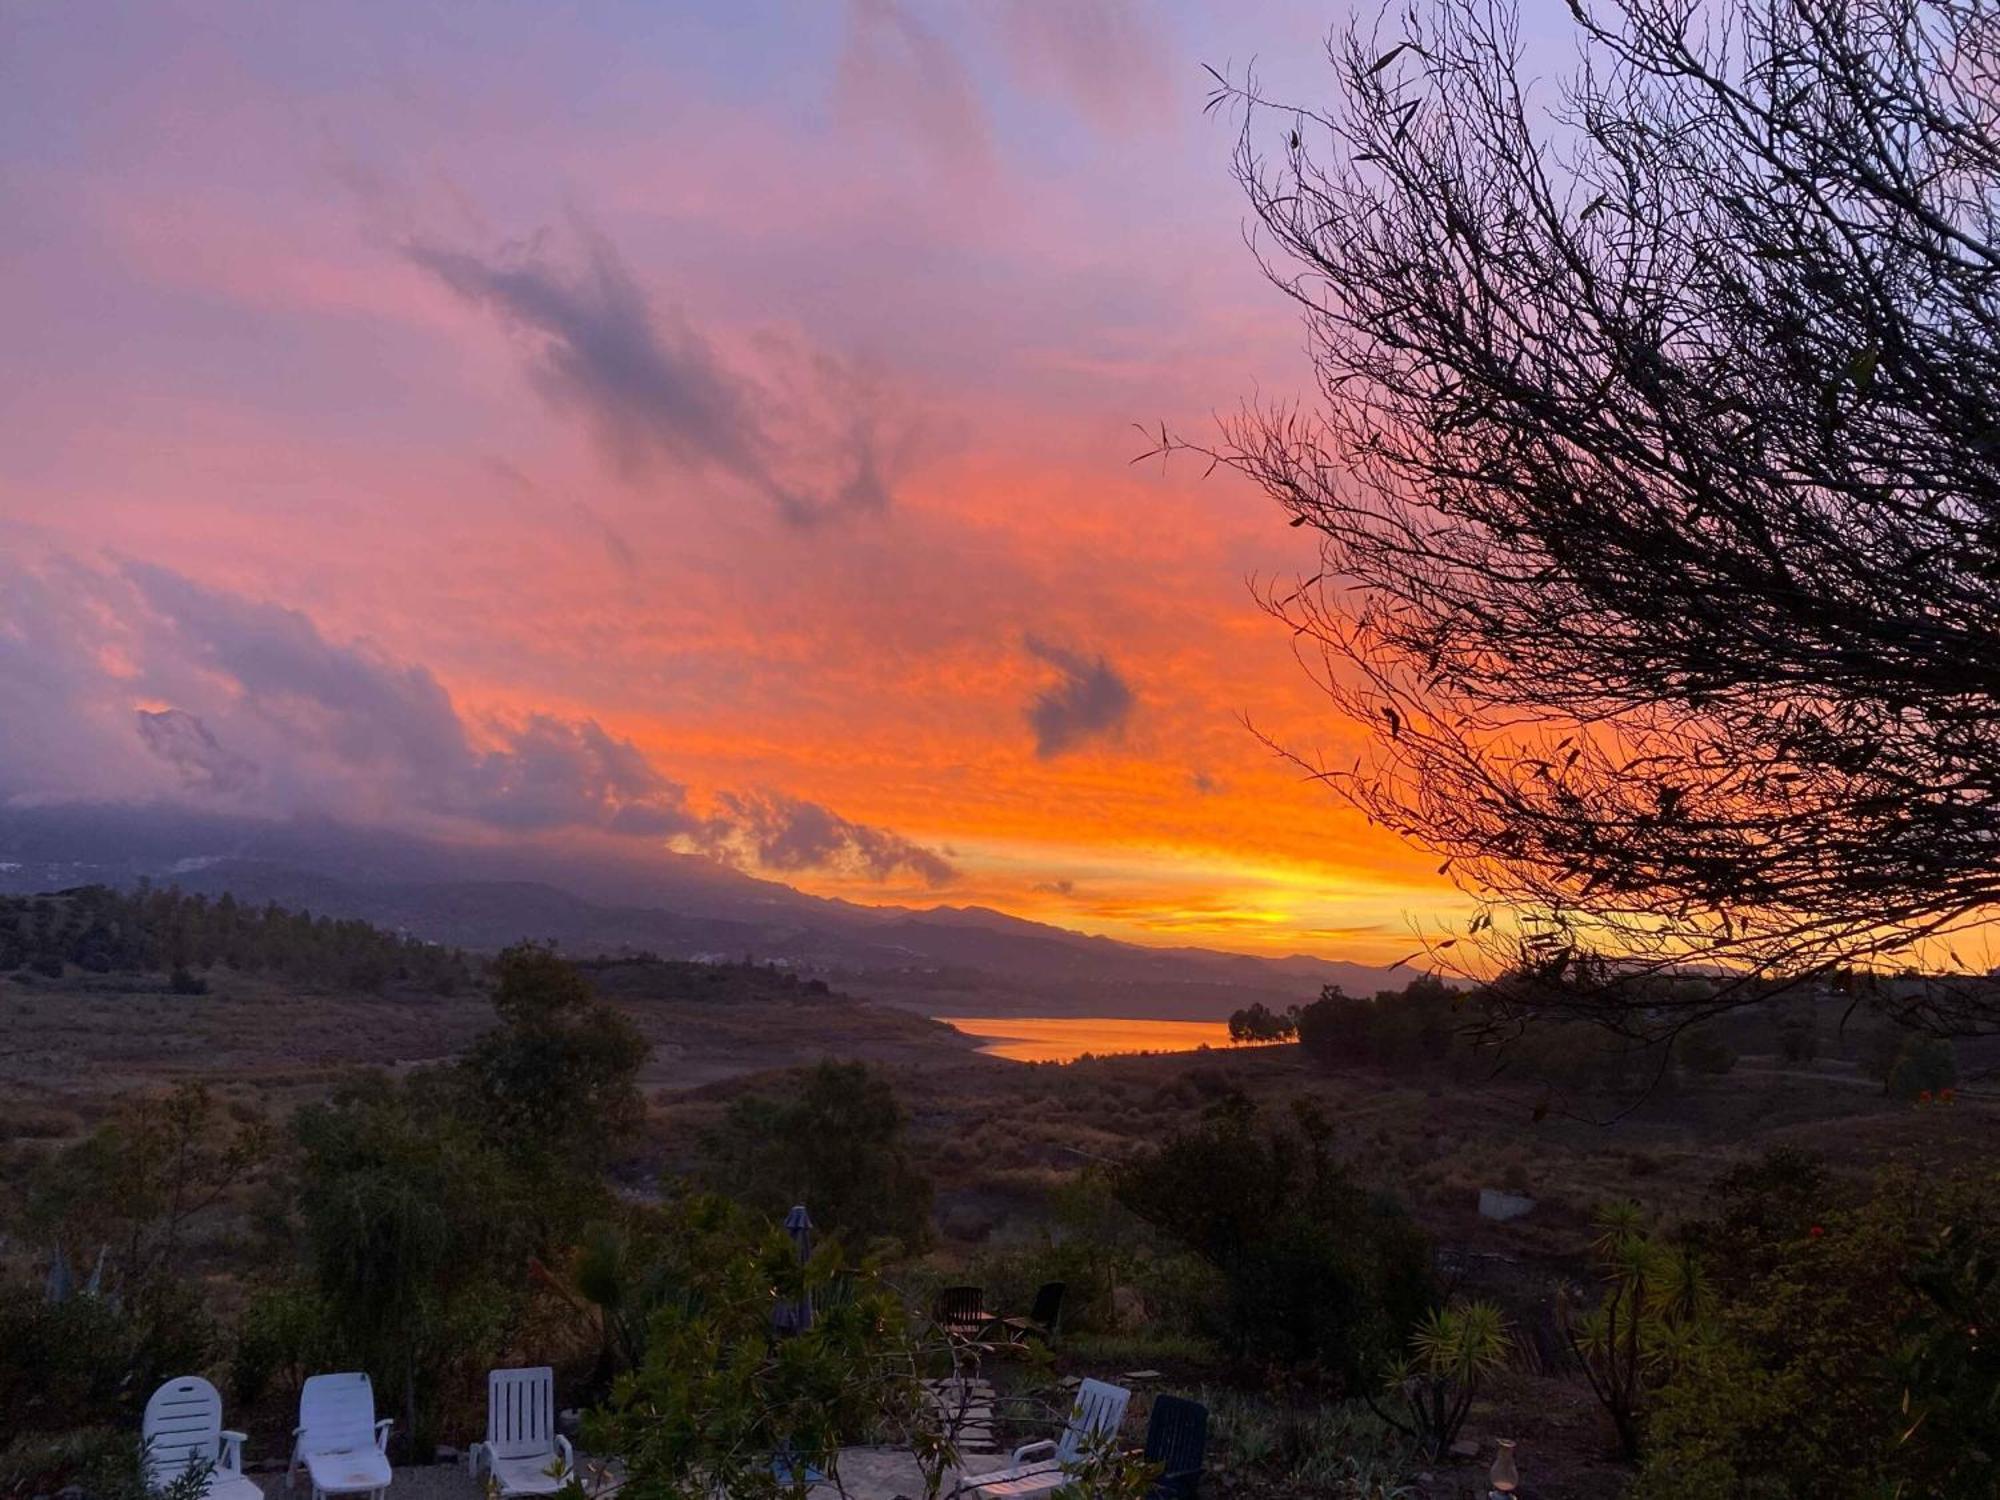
135,682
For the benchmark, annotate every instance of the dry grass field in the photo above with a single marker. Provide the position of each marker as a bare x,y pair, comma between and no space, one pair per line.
70,1048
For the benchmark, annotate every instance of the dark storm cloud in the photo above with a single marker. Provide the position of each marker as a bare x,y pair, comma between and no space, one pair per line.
654,389
1088,699
203,763
393,725
786,833
139,682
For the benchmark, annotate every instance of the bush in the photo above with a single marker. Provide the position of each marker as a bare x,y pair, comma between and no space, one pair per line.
1924,1064
1432,1388
557,1079
1268,1445
1652,1311
103,1463
1315,1270
1098,1249
720,1391
1259,1023
90,1360
1700,1050
1839,1363
1797,1029
835,1143
283,1336
416,1236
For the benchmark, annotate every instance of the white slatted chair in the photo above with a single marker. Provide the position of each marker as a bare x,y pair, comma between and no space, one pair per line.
1037,1468
183,1428
338,1439
522,1444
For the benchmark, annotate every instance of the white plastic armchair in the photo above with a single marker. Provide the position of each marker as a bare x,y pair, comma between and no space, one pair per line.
1037,1468
343,1447
523,1452
183,1429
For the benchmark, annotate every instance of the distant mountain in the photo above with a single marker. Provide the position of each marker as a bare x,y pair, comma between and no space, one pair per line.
610,900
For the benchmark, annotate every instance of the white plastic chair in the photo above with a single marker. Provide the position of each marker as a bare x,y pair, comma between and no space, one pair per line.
183,1428
1037,1468
338,1439
522,1443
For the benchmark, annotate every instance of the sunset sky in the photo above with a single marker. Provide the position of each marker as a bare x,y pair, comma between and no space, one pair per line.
704,425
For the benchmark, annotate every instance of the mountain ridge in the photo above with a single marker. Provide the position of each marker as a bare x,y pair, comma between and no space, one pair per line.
597,901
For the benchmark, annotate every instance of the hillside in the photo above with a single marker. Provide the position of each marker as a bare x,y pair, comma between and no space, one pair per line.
610,901
75,1040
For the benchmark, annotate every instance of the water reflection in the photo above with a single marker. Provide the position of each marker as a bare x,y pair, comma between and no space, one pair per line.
1066,1038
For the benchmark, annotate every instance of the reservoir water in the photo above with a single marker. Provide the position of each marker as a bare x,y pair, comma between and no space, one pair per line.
1066,1038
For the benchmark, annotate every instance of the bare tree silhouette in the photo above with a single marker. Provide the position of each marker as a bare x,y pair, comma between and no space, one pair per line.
1656,472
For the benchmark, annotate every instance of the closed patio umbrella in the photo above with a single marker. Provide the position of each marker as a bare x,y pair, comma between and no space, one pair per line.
797,1317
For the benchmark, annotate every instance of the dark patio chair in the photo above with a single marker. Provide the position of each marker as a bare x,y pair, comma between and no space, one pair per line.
1042,1319
961,1311
1176,1440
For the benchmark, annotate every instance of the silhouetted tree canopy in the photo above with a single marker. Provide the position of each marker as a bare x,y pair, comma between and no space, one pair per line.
1657,467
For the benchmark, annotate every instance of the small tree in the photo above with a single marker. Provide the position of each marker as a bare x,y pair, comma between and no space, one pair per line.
1700,1050
136,1184
1797,1028
412,1235
558,1077
1848,1352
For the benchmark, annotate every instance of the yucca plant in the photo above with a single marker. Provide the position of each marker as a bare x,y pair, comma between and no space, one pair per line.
1652,1318
1432,1387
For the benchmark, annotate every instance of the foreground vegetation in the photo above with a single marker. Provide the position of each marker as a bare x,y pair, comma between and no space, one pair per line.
1241,1224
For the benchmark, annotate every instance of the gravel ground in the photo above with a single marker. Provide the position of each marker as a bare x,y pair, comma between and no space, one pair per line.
426,1482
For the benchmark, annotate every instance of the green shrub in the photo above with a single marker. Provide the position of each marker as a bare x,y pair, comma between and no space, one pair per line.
1701,1050
89,1360
1259,1023
557,1080
1280,1446
1431,1390
720,1392
1841,1364
1924,1064
417,1240
1399,1029
103,1463
283,1336
836,1141
1314,1269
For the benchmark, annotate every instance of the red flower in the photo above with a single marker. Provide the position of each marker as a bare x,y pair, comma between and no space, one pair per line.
1946,1095
1816,1231
1924,1097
